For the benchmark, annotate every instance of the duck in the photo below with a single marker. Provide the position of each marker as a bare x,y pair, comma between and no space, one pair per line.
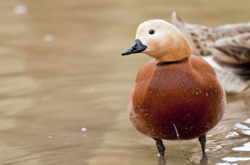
174,89
226,48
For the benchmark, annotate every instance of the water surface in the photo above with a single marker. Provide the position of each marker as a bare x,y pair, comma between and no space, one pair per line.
64,85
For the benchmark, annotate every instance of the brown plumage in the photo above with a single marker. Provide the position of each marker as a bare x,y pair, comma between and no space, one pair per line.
184,93
174,88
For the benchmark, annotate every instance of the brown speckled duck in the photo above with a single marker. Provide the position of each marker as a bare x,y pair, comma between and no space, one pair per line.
175,88
226,48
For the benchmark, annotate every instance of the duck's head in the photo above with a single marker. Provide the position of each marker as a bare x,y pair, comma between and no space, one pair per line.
160,40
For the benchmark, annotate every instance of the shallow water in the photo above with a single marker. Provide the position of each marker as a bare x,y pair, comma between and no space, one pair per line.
64,85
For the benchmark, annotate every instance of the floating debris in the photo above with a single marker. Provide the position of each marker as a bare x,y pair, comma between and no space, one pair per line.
20,9
48,37
179,141
83,129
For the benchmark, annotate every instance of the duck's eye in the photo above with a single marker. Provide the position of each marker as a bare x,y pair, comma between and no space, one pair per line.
151,32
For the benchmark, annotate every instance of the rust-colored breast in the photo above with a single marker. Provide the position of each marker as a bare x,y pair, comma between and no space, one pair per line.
186,94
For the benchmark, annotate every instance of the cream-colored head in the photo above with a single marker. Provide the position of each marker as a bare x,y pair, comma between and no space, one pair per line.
163,41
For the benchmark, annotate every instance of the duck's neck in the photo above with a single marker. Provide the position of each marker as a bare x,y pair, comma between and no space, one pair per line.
172,58
178,52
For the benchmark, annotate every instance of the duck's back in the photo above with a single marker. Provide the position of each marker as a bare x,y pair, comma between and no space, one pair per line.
185,93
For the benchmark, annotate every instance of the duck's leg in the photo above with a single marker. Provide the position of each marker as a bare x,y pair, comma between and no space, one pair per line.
160,147
202,140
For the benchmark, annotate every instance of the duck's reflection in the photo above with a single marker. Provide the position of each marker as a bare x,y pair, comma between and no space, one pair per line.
162,160
203,161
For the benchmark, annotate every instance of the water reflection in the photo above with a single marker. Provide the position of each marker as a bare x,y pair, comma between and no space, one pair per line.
204,159
245,147
233,159
162,160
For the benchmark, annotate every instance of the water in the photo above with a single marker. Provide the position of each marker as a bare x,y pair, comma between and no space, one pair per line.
64,85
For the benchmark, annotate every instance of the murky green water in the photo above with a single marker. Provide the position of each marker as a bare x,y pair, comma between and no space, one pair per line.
64,85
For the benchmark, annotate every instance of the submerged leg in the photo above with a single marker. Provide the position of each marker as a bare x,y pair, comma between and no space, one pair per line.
202,140
160,146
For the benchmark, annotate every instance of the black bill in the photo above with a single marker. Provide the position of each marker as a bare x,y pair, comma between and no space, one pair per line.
137,47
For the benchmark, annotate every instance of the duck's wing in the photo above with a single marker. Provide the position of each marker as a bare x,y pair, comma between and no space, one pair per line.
231,82
229,43
235,49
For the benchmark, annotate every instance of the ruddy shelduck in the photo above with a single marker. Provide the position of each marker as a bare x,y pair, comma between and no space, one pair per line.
175,88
